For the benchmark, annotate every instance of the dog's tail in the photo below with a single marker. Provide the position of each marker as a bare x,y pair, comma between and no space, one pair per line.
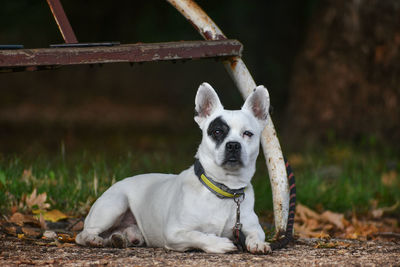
287,237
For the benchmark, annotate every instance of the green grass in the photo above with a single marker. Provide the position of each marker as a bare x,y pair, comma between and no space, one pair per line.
340,178
347,178
77,180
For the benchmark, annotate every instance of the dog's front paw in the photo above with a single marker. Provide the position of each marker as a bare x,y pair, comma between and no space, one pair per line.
95,241
256,246
221,245
91,240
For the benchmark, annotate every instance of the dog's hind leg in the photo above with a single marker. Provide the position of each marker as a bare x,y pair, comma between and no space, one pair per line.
134,236
122,238
124,233
106,212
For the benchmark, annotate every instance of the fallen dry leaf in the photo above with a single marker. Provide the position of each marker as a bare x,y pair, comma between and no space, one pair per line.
31,232
22,219
334,218
21,232
360,229
306,213
309,223
323,235
66,238
54,215
77,227
38,201
304,231
10,229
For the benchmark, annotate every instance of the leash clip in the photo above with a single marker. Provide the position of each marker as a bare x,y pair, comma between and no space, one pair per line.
238,198
239,238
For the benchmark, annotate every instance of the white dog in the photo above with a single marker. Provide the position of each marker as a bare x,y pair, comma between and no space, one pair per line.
196,209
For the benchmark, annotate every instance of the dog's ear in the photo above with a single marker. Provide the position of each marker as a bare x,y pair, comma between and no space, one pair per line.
258,104
207,102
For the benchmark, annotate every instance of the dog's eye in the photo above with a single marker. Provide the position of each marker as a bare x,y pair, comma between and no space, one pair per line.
248,134
217,132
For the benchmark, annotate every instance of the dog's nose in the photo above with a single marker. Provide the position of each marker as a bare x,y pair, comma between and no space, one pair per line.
233,147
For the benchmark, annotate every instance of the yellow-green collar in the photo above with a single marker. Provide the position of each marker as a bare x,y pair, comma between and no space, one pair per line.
220,190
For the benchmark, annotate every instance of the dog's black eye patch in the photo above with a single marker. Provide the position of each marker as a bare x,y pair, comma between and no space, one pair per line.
218,130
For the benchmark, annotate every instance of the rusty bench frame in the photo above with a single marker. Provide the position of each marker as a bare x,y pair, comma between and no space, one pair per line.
216,46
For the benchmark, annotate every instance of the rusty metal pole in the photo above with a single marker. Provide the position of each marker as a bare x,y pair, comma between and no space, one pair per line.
245,83
62,21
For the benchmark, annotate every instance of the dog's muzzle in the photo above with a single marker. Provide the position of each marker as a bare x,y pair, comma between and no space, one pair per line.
233,151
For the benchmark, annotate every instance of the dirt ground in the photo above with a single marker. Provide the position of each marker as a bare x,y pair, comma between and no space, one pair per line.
16,252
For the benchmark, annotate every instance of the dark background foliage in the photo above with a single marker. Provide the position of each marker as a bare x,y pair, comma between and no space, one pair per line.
330,67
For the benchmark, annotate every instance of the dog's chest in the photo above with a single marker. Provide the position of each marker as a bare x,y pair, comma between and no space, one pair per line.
212,215
219,221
